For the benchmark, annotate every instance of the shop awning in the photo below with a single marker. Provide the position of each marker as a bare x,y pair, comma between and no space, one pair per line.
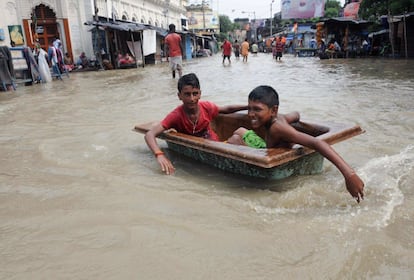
122,26
127,26
345,20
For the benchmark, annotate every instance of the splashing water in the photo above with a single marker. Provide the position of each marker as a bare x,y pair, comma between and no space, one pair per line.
383,178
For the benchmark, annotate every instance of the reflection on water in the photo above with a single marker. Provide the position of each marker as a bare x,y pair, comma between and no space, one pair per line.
81,194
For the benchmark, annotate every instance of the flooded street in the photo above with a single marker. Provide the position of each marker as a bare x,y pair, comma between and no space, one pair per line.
82,197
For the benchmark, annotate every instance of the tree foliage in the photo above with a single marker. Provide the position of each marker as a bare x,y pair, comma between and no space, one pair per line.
226,24
332,9
373,9
331,12
333,4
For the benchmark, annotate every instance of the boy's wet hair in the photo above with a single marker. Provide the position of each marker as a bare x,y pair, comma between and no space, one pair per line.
188,80
266,95
171,27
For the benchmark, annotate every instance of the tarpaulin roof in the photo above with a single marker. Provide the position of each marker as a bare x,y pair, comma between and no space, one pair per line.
346,20
127,26
397,18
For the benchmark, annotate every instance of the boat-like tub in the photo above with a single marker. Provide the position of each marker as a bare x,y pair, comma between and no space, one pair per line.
274,163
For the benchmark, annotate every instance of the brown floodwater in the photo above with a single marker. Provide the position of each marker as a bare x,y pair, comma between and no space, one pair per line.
82,197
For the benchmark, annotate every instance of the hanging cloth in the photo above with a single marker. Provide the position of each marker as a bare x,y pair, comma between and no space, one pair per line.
150,42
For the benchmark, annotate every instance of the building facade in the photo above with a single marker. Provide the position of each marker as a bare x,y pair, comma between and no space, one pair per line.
26,22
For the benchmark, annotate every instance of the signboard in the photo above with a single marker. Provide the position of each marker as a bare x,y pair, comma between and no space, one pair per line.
16,35
351,10
199,20
302,9
39,29
19,62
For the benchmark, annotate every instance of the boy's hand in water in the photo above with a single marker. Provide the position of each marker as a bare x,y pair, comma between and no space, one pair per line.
165,163
355,186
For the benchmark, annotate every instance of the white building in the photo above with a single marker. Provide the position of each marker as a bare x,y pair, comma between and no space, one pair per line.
65,19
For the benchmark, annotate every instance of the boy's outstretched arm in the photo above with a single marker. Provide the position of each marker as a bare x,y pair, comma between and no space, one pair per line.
150,139
354,184
231,109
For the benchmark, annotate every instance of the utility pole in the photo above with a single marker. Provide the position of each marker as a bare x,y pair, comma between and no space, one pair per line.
95,6
405,35
98,55
204,14
271,18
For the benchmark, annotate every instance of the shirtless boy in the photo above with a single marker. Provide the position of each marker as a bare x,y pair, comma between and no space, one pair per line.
263,108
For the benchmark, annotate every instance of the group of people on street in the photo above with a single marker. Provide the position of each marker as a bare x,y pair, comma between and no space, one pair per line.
238,49
174,50
52,58
278,46
333,49
55,59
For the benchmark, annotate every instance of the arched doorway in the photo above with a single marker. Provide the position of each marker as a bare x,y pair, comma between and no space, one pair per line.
44,26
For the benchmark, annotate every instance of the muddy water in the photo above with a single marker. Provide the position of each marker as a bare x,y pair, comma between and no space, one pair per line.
81,196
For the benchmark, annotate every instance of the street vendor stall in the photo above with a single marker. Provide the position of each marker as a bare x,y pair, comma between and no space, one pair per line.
349,33
141,41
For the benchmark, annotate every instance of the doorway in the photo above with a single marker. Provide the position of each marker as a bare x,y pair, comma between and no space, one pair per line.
44,26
